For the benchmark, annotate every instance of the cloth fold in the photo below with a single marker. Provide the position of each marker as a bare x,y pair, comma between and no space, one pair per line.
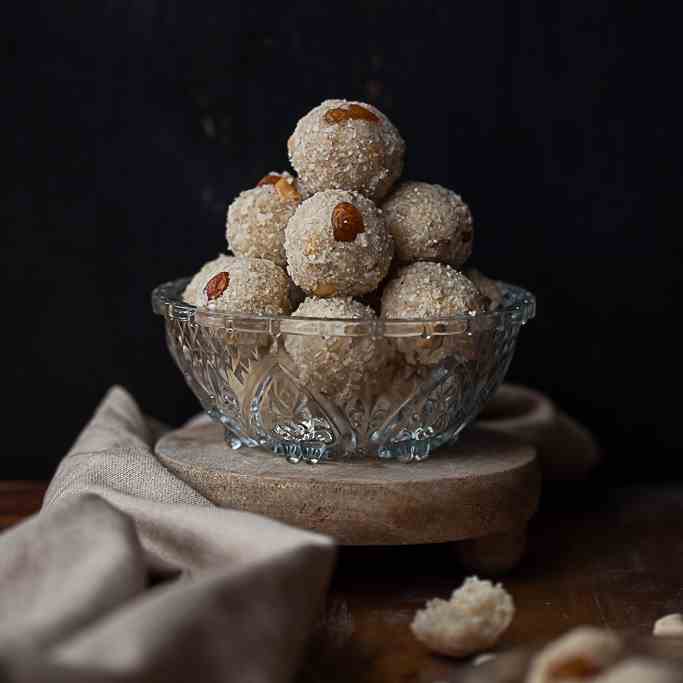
81,595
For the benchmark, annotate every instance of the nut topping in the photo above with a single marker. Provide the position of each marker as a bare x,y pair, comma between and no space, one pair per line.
287,191
347,222
217,285
325,289
270,179
350,112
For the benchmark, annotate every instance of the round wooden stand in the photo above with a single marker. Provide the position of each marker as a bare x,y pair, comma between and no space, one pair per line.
486,485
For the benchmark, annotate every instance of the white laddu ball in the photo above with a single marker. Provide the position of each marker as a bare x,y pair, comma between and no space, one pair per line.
203,275
337,366
342,145
337,244
250,286
429,223
257,218
427,290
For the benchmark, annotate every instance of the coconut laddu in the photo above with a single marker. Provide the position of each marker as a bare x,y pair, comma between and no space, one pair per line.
337,244
241,285
257,218
335,365
429,223
346,145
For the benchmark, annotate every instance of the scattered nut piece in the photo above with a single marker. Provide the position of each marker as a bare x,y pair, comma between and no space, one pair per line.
483,658
287,190
582,653
347,222
350,112
270,179
472,620
670,626
640,670
578,667
217,285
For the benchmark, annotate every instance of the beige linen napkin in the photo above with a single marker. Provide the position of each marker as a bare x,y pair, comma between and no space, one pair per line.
81,590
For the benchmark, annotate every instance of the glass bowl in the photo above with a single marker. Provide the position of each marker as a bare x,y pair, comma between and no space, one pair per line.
433,377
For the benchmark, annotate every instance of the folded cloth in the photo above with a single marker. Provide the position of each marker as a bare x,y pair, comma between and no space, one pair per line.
128,574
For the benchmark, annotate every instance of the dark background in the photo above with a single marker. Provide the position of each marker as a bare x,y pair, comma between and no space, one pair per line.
131,125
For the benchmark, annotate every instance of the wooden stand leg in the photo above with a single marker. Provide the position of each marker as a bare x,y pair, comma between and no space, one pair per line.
492,555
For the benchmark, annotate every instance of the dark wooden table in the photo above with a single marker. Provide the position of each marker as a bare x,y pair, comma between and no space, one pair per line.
595,556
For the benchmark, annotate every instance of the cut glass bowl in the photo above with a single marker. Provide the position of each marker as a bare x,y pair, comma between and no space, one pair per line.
438,375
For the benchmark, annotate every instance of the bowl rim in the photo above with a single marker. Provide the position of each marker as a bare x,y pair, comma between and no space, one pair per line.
519,306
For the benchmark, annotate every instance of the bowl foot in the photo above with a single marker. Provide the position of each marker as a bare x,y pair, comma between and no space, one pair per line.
296,452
